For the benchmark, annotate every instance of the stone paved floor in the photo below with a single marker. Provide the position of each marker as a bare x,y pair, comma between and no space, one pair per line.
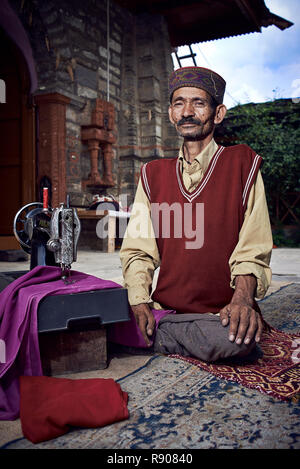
285,265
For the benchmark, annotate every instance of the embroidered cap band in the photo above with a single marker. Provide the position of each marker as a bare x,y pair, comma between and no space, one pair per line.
198,77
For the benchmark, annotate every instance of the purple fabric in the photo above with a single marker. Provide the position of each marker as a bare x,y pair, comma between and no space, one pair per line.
18,326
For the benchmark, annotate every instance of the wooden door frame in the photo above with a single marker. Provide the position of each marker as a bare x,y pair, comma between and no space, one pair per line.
28,144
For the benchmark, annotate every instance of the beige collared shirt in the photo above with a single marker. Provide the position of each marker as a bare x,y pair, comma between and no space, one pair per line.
139,253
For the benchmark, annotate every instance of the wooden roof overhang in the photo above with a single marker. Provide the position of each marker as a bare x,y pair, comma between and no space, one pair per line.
191,21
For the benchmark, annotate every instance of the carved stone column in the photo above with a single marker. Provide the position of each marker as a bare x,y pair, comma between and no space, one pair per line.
51,156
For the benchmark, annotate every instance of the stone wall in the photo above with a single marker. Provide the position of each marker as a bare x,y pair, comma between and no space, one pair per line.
69,42
145,130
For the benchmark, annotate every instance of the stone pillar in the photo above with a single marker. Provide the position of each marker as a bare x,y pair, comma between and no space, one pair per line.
145,132
51,157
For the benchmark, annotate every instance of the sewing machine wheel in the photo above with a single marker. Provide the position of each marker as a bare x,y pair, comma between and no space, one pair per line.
22,223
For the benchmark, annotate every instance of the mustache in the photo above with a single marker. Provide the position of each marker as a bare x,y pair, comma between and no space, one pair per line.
189,120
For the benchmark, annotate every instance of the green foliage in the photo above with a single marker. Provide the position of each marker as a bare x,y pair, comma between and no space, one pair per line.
281,240
273,130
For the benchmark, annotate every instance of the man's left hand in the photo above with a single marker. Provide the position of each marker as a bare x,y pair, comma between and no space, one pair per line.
244,322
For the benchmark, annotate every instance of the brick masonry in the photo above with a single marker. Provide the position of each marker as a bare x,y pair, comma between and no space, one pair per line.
69,43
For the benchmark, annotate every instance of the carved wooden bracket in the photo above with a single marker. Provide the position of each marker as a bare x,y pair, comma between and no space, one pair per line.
99,135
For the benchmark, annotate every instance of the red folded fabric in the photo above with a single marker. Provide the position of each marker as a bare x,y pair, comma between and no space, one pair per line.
49,407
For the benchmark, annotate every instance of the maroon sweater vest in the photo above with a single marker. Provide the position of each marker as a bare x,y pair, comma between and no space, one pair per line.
195,277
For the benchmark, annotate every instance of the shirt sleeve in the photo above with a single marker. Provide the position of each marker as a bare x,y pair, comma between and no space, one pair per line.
252,254
139,252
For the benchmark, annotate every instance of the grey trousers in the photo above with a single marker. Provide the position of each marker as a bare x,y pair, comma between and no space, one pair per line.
197,335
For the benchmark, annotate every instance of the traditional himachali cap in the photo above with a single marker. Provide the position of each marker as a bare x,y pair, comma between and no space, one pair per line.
198,77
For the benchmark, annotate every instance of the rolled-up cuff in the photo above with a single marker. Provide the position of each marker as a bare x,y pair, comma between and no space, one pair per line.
263,275
137,295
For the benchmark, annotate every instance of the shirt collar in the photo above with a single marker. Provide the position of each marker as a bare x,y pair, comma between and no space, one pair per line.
204,157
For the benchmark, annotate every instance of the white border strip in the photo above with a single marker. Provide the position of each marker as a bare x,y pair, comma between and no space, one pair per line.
144,174
253,168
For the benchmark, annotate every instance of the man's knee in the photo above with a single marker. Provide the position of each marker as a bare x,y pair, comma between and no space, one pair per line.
214,343
205,339
230,349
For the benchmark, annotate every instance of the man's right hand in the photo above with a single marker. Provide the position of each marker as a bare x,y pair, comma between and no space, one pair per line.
145,320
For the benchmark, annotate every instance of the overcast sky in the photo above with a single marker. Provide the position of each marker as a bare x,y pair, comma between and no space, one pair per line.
257,67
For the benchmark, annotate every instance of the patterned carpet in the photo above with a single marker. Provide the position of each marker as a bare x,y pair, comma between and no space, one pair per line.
276,367
175,404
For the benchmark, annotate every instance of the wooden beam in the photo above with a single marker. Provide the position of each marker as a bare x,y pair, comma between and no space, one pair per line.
249,14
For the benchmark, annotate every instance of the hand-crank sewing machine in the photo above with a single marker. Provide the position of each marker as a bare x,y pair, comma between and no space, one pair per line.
51,236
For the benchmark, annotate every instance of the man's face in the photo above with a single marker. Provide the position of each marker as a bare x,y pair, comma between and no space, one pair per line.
191,113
